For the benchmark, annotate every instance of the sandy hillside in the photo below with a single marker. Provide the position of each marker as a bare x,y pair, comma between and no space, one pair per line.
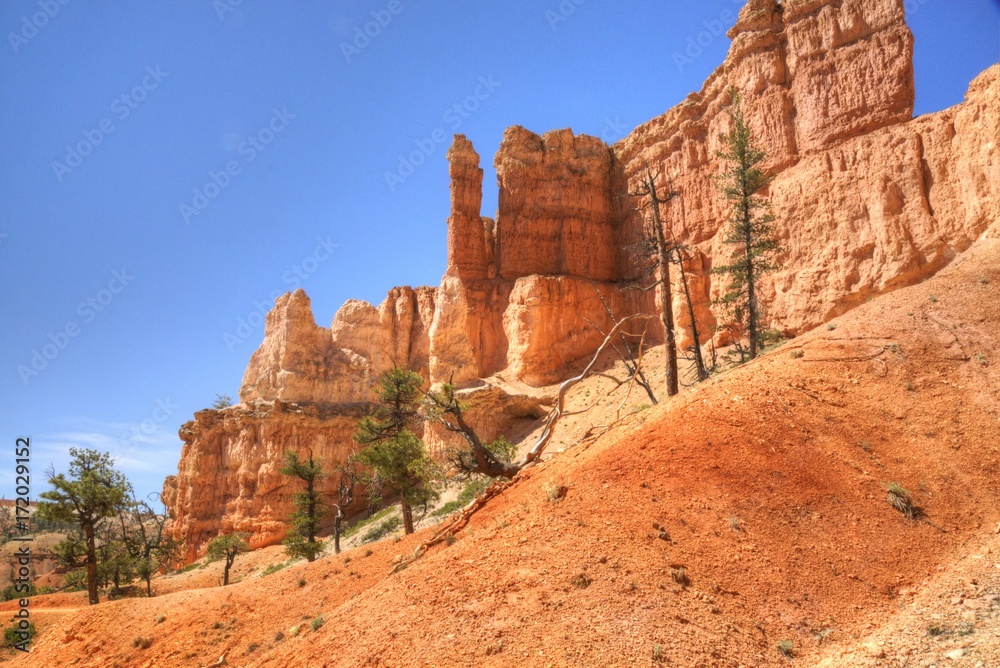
703,531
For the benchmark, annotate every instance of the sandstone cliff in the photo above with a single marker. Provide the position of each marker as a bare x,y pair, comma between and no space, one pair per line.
866,199
228,478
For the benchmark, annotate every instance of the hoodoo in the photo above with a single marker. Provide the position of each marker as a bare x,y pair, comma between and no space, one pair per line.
867,199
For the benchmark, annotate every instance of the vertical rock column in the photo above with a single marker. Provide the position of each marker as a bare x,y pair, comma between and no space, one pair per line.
469,248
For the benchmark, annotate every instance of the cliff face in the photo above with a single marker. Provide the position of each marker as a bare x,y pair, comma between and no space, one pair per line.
228,478
865,199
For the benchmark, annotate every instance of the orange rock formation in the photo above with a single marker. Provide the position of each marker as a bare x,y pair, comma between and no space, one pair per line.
867,199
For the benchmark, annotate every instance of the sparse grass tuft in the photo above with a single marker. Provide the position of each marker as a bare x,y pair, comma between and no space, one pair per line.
279,636
981,358
382,529
900,499
933,299
831,327
472,489
797,354
251,647
368,553
659,653
142,643
680,576
317,622
786,648
581,580
160,619
302,582
554,492
365,522
294,631
274,568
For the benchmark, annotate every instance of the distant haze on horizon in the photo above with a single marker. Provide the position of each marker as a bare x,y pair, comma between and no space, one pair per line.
172,167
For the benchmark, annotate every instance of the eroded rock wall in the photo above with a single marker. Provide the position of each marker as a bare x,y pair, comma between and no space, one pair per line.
866,199
228,478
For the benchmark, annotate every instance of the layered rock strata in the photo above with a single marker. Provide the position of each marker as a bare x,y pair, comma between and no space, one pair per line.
866,199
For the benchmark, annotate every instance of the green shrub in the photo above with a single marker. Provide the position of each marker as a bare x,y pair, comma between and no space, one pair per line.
274,568
11,637
472,489
316,623
382,529
9,593
365,522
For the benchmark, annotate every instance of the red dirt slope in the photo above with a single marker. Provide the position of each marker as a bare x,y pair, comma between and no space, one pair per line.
765,485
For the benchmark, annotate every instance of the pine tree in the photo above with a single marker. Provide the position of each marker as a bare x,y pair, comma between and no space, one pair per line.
391,449
750,231
94,491
310,508
227,546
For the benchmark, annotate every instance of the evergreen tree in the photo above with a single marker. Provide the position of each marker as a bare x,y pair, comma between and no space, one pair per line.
310,508
750,231
227,546
391,450
92,492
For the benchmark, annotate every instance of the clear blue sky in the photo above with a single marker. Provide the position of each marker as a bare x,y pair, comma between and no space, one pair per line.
140,301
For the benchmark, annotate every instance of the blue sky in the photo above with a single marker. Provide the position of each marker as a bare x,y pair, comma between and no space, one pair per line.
170,167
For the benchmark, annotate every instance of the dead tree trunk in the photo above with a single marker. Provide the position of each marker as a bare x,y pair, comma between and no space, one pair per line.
448,412
663,253
699,359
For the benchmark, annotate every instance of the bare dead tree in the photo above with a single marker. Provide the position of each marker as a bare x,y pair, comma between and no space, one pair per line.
682,255
631,360
345,497
447,410
657,246
662,245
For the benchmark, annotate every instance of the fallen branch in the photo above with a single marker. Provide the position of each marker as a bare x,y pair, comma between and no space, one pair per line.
452,407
